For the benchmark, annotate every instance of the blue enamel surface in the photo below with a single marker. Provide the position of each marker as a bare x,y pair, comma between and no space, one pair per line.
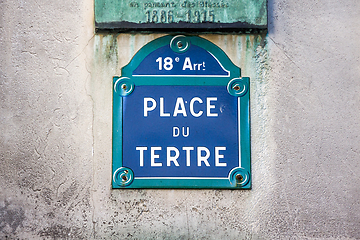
228,131
203,131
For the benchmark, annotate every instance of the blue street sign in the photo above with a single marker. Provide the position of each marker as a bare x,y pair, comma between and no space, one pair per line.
181,118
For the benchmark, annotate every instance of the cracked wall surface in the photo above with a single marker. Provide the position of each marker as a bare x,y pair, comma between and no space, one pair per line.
56,117
46,128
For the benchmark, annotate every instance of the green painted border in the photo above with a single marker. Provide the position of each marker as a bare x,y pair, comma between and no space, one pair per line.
217,183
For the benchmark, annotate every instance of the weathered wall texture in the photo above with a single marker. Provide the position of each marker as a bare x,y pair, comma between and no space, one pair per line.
55,130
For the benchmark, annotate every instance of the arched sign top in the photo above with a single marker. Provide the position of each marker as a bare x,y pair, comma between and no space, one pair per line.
181,118
184,64
181,56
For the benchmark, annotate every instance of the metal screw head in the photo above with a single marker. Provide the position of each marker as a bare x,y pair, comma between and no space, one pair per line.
236,88
239,177
179,44
124,86
124,178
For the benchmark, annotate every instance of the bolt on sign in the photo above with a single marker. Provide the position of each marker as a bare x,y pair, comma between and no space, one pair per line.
181,118
181,15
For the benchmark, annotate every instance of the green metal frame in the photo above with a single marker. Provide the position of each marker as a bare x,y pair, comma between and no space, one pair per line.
238,178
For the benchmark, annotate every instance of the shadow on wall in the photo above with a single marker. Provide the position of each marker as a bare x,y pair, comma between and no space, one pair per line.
11,218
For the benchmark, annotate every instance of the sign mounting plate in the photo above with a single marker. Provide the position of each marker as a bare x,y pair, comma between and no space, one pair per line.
181,118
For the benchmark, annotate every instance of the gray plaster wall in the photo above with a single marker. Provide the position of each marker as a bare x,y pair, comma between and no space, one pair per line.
55,130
